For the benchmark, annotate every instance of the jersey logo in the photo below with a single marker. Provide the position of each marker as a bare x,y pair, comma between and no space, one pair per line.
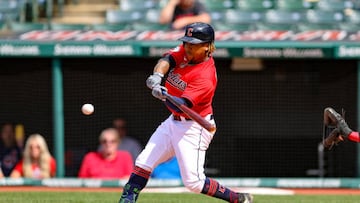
189,32
174,80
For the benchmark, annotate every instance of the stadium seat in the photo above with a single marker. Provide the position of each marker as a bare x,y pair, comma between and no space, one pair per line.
316,19
150,21
293,5
279,20
119,16
152,15
233,27
149,26
274,26
217,5
2,26
333,5
352,16
323,17
314,26
235,16
61,26
283,16
238,20
25,27
12,10
253,5
135,5
351,22
110,27
349,27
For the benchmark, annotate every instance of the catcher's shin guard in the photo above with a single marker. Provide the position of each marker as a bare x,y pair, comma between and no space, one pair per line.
333,118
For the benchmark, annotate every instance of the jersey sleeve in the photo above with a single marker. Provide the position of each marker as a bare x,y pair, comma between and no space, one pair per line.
176,55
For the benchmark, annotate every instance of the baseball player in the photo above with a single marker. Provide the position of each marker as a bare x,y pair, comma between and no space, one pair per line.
191,79
341,129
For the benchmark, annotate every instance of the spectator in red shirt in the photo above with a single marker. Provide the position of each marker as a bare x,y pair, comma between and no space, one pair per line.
179,13
108,162
37,161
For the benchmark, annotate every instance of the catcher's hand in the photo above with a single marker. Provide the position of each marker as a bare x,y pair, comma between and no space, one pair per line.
332,140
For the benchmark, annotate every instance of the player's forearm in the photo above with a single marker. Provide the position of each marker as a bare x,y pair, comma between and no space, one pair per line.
167,12
182,22
162,67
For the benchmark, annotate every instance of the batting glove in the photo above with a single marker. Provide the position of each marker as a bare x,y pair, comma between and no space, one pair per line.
158,91
154,80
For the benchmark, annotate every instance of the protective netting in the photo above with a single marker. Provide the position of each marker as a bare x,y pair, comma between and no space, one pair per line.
269,121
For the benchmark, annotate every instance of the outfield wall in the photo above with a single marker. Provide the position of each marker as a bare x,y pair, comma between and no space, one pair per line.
229,182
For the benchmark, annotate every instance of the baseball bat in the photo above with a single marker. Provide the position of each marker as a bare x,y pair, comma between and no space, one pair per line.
191,113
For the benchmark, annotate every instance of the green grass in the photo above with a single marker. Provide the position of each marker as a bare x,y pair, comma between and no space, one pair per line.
111,197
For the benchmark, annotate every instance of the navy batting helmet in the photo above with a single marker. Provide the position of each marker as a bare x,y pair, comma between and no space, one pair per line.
196,33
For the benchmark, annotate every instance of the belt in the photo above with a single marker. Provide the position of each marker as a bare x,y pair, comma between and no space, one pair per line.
181,118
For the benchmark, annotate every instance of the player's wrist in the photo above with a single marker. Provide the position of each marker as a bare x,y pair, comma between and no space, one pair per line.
158,74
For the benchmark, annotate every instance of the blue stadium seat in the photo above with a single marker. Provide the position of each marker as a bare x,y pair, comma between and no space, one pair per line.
283,16
293,5
119,16
12,10
258,5
349,27
150,21
135,5
274,26
65,26
321,20
323,17
26,27
312,26
351,22
236,16
334,5
352,16
217,5
280,20
238,20
110,27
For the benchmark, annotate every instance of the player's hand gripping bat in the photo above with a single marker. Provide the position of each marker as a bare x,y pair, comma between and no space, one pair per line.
191,113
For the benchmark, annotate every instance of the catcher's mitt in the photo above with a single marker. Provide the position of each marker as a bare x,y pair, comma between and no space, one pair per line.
332,139
331,133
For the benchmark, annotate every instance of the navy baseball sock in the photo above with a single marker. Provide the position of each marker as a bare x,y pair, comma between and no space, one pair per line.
214,189
136,183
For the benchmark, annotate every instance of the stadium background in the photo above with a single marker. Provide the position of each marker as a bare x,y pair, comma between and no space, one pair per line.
269,120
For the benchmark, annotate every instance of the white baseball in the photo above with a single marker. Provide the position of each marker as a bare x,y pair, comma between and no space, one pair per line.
87,109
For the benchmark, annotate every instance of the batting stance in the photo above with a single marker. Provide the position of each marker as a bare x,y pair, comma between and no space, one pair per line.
191,80
340,129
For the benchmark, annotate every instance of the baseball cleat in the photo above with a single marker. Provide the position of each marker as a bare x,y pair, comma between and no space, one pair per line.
245,198
126,200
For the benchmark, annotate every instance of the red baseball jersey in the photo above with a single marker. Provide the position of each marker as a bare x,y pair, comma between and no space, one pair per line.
195,82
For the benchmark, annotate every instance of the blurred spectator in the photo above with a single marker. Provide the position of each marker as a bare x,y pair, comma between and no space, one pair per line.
37,161
179,13
128,143
167,170
108,162
10,153
20,135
